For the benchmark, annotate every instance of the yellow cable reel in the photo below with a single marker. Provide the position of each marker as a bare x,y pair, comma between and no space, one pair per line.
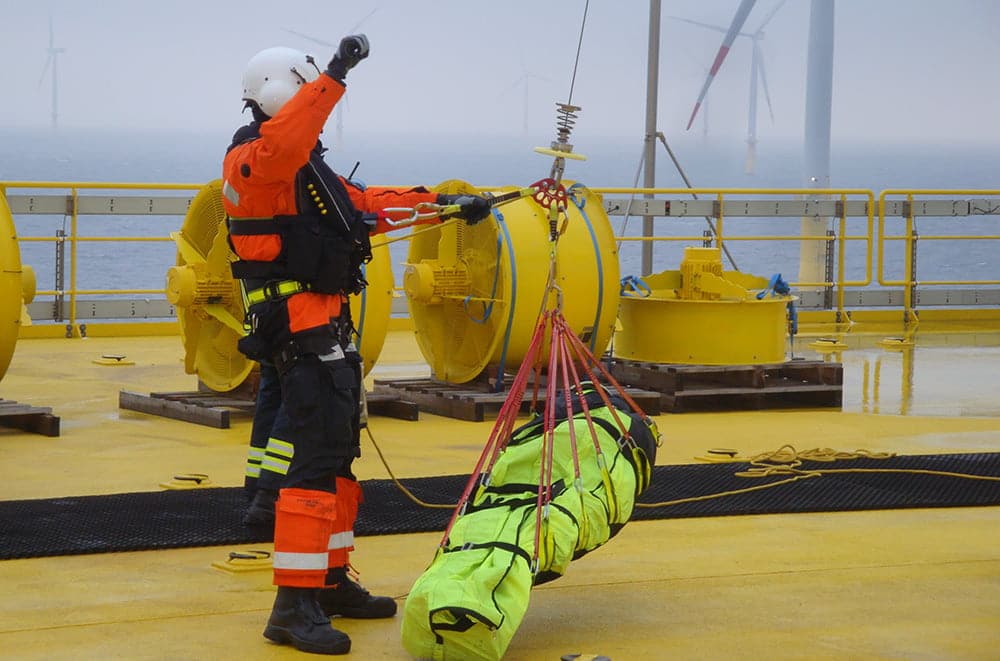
475,292
210,305
17,287
208,299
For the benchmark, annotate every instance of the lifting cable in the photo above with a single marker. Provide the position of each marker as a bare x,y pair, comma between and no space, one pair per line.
565,368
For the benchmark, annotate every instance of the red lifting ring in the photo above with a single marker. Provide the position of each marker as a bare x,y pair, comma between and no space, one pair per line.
548,191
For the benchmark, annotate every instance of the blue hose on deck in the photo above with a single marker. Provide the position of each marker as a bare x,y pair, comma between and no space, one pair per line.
778,287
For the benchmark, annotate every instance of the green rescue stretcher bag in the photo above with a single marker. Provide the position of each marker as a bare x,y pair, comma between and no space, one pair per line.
469,603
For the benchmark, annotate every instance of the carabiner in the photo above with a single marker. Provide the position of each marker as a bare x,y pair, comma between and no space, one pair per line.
420,211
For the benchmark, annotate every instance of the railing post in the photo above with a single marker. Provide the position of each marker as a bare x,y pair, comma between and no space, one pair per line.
841,256
828,270
720,206
60,284
912,275
73,236
909,264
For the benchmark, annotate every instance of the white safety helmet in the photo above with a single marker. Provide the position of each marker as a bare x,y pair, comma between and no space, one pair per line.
274,75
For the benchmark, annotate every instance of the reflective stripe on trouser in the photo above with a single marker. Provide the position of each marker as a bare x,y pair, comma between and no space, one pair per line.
302,524
342,536
276,458
254,458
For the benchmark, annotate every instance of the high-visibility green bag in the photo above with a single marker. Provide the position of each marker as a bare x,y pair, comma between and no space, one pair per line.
470,601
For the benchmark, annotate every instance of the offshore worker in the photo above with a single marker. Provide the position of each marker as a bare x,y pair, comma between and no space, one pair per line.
301,233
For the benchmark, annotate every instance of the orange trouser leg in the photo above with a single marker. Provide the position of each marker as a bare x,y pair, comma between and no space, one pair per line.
342,536
302,524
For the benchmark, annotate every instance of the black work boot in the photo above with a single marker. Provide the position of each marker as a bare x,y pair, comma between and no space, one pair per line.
297,620
347,598
260,511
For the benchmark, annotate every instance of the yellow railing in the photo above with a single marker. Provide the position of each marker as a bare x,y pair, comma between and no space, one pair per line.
847,204
74,239
910,237
839,239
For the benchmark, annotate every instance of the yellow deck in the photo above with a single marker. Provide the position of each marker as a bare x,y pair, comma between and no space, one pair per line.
913,584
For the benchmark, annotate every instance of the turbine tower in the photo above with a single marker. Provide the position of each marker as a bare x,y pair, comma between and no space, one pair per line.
757,70
52,61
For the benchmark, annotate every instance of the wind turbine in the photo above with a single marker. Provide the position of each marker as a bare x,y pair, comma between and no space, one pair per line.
52,60
340,106
757,70
524,81
819,103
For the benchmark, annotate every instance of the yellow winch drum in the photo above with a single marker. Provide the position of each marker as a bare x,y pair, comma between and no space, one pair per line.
12,296
702,315
475,292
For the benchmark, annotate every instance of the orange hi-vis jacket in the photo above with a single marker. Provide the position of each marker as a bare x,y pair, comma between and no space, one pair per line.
261,182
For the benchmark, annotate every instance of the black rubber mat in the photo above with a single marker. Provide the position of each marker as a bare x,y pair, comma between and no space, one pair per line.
211,517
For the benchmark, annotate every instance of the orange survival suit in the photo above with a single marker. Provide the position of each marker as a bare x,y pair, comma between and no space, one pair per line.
301,233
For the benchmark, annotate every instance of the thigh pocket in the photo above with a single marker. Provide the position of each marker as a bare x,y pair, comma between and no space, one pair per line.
306,386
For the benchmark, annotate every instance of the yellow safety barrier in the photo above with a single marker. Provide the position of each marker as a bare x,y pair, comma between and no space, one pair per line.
854,237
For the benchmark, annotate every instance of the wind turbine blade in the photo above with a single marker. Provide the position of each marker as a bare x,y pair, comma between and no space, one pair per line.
763,79
312,39
323,42
358,24
45,70
707,26
514,84
770,15
727,42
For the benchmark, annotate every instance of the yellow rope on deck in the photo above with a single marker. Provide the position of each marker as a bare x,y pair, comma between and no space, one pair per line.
786,460
783,461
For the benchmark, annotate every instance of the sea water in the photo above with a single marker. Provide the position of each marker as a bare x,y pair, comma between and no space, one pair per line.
110,156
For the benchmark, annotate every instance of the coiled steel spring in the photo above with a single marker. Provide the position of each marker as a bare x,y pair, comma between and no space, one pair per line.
565,121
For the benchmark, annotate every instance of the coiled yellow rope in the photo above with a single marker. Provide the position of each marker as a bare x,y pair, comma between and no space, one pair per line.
786,460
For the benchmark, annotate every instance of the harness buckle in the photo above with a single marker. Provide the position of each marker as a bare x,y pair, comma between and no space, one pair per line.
270,290
286,356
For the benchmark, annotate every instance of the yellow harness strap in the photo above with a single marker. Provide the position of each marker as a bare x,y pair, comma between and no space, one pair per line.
275,290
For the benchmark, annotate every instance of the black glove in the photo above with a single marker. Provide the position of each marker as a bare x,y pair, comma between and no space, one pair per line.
473,207
352,50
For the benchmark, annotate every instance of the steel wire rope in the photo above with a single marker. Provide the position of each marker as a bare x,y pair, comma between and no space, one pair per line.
428,228
579,45
687,182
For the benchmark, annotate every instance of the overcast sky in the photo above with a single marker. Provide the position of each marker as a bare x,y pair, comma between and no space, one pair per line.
904,69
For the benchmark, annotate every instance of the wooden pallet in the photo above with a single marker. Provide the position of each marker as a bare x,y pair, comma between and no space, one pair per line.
202,408
474,401
35,419
214,409
391,405
728,387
